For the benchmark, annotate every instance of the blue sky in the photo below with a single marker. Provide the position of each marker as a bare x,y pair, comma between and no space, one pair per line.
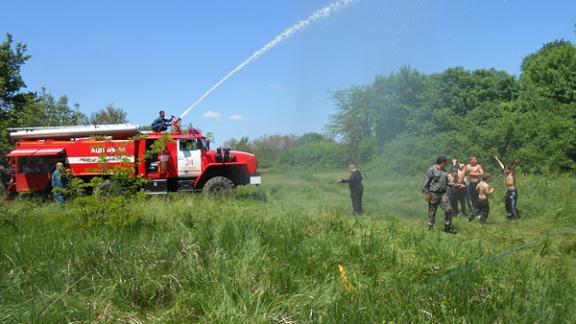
146,56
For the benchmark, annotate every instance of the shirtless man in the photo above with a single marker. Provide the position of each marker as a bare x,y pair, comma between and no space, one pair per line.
474,171
484,192
462,191
453,191
511,198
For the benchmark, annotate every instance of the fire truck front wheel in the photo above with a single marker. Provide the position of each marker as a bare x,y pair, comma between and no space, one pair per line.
218,185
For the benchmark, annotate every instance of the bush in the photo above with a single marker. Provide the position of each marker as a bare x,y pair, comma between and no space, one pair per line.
314,154
115,211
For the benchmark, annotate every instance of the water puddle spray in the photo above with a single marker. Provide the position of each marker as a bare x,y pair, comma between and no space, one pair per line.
301,25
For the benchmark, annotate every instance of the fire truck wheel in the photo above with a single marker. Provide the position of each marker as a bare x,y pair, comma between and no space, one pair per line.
218,185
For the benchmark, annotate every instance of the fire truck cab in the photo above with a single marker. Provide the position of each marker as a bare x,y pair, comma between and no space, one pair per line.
185,163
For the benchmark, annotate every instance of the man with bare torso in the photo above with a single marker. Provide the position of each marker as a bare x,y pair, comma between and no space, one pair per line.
485,190
511,198
473,171
461,189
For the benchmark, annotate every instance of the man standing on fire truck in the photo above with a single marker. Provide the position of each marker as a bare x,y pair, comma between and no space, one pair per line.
161,123
58,183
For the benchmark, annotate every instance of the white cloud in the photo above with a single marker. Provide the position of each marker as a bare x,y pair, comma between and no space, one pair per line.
236,118
212,115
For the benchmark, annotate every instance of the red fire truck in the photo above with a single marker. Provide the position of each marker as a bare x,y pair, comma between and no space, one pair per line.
185,164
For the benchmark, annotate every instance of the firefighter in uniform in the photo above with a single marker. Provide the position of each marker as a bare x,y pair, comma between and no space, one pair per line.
356,188
435,188
161,123
58,183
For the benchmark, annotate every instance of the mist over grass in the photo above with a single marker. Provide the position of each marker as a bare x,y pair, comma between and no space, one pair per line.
271,254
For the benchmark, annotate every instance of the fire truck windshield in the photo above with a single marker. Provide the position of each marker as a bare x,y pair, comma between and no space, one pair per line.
192,144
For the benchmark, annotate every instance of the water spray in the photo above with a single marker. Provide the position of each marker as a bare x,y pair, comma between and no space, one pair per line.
301,25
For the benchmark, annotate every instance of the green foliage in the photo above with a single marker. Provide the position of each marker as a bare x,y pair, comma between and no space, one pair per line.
12,57
44,110
27,109
551,72
409,118
323,153
159,145
183,258
109,115
239,145
269,148
117,211
7,217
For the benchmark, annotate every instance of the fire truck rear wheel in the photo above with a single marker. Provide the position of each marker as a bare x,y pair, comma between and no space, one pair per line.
218,185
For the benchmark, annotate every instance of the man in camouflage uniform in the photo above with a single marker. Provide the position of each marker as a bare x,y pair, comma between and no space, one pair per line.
435,188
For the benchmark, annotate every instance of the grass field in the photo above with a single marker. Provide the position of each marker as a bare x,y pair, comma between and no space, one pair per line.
271,255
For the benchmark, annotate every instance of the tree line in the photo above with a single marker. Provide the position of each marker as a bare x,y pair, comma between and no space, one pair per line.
399,122
403,120
21,108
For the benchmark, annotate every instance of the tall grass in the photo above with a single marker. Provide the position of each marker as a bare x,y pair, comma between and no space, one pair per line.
271,254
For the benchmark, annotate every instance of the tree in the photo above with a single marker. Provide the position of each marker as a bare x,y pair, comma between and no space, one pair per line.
108,115
44,110
396,97
11,59
355,119
551,72
268,148
239,145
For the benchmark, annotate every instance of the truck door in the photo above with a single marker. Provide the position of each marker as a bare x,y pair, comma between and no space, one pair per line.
151,160
189,158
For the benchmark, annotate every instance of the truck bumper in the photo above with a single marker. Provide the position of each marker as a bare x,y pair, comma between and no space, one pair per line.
255,179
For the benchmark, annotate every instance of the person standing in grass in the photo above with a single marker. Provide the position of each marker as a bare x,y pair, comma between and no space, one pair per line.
511,198
474,171
461,189
5,176
453,191
485,190
435,187
58,183
356,188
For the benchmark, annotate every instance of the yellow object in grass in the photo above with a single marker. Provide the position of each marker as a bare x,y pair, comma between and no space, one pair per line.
345,281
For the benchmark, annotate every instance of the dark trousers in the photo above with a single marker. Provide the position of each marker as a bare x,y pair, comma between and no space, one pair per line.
483,209
453,197
462,200
473,195
510,202
443,201
356,195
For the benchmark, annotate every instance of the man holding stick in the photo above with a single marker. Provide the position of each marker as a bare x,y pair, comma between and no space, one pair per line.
511,198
